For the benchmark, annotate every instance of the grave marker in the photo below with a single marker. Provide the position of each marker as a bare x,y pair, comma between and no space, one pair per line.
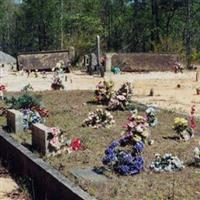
39,138
15,121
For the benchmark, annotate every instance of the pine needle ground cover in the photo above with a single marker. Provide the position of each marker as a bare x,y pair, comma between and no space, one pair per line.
67,110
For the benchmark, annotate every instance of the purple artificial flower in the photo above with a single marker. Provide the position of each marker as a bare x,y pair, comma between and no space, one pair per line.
127,158
109,151
114,144
139,147
137,166
123,170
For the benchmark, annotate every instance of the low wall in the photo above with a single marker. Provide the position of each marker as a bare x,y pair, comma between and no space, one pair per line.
48,183
144,62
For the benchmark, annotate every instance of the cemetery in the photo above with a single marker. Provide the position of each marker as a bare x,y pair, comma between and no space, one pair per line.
84,154
99,100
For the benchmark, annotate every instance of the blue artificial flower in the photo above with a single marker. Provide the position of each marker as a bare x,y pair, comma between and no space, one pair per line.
126,158
139,147
122,169
114,144
108,158
109,151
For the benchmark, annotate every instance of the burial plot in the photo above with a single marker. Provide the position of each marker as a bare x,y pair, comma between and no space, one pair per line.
15,121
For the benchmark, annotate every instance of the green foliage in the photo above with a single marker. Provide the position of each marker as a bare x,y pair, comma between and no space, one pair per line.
24,101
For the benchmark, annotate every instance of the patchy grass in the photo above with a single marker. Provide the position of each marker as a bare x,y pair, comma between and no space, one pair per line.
69,109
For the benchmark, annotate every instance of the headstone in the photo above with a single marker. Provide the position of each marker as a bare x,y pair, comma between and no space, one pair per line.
198,91
151,93
39,138
89,175
15,121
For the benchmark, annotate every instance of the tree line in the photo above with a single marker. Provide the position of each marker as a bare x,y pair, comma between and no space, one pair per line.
163,26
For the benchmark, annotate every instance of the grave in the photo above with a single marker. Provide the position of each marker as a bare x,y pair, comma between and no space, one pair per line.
39,138
15,121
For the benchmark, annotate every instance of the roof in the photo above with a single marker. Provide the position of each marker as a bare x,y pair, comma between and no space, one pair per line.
6,58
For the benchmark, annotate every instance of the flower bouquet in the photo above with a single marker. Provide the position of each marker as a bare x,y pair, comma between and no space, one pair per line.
166,163
122,98
104,92
151,116
57,84
99,118
182,129
138,128
30,106
30,117
57,143
124,162
55,138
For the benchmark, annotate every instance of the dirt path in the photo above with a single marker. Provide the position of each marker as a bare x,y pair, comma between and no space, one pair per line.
167,95
9,190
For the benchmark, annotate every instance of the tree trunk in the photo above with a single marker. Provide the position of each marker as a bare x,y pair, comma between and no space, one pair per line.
187,34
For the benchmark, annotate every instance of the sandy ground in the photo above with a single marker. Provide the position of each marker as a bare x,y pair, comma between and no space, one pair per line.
7,185
167,95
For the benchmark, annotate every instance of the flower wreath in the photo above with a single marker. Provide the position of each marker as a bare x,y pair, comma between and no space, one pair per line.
125,162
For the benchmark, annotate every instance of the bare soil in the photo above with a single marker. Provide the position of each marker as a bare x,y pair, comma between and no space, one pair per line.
166,93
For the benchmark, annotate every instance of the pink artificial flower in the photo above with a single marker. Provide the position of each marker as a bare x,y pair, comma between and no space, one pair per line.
55,131
54,142
193,124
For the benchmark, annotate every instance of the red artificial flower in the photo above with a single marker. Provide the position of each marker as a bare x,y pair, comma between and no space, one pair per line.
76,144
193,124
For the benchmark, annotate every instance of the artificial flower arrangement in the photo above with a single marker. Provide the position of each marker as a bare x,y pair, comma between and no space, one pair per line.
137,127
129,162
125,162
104,92
30,106
57,143
182,129
122,99
99,118
197,155
30,117
57,84
185,128
2,87
166,163
151,116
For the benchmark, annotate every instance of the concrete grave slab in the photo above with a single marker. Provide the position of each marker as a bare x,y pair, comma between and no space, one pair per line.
89,175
